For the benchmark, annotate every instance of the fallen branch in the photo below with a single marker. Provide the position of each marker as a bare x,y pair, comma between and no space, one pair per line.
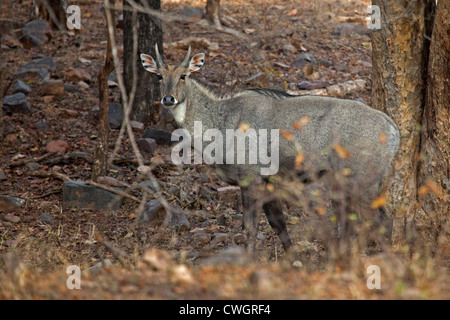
120,193
37,159
70,156
49,174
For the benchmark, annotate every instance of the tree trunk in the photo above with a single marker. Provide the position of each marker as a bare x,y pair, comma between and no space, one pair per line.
53,11
434,170
400,58
213,12
149,32
100,166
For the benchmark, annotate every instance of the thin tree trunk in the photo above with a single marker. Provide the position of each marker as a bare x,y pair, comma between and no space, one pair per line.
213,12
100,165
400,58
149,32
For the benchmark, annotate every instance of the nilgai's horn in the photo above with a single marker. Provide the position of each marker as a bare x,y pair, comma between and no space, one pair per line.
185,62
158,57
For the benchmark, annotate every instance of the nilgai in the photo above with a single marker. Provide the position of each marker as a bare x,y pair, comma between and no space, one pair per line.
320,136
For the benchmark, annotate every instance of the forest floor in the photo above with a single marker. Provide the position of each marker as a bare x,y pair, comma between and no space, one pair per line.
39,240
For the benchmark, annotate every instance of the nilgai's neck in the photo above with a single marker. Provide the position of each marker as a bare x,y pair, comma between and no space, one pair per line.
200,105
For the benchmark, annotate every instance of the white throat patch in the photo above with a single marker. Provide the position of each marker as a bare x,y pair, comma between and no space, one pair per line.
179,112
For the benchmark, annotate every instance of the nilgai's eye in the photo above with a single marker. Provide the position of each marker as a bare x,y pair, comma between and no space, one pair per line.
183,76
159,77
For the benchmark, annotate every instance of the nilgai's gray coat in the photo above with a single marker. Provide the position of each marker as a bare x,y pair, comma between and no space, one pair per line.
336,134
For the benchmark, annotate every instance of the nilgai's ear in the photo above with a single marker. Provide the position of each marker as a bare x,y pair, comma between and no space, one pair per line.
196,62
149,63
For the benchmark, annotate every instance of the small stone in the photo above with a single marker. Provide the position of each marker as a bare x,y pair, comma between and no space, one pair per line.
32,166
41,125
71,113
20,86
46,63
82,85
219,237
39,28
3,176
304,59
48,99
58,146
29,41
201,239
10,41
16,103
75,75
53,87
136,125
231,255
8,203
161,137
192,12
239,238
289,48
11,218
69,87
102,265
32,74
147,145
46,218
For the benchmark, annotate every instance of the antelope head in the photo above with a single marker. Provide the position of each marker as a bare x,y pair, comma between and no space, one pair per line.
172,78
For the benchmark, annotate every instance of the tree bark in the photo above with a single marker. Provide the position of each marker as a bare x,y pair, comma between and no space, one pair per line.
149,32
100,165
213,12
400,58
434,170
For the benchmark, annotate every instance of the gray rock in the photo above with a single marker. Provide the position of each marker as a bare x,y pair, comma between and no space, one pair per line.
345,29
40,63
231,255
32,74
53,87
46,218
69,87
97,268
41,125
154,211
3,176
150,185
20,86
304,59
78,194
32,166
16,103
115,115
30,41
38,28
8,203
162,137
147,145
179,220
192,12
289,48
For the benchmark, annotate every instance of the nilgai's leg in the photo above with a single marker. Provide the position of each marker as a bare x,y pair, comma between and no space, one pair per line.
274,214
251,218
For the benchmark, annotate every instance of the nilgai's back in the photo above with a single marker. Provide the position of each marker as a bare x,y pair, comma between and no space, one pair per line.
322,126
